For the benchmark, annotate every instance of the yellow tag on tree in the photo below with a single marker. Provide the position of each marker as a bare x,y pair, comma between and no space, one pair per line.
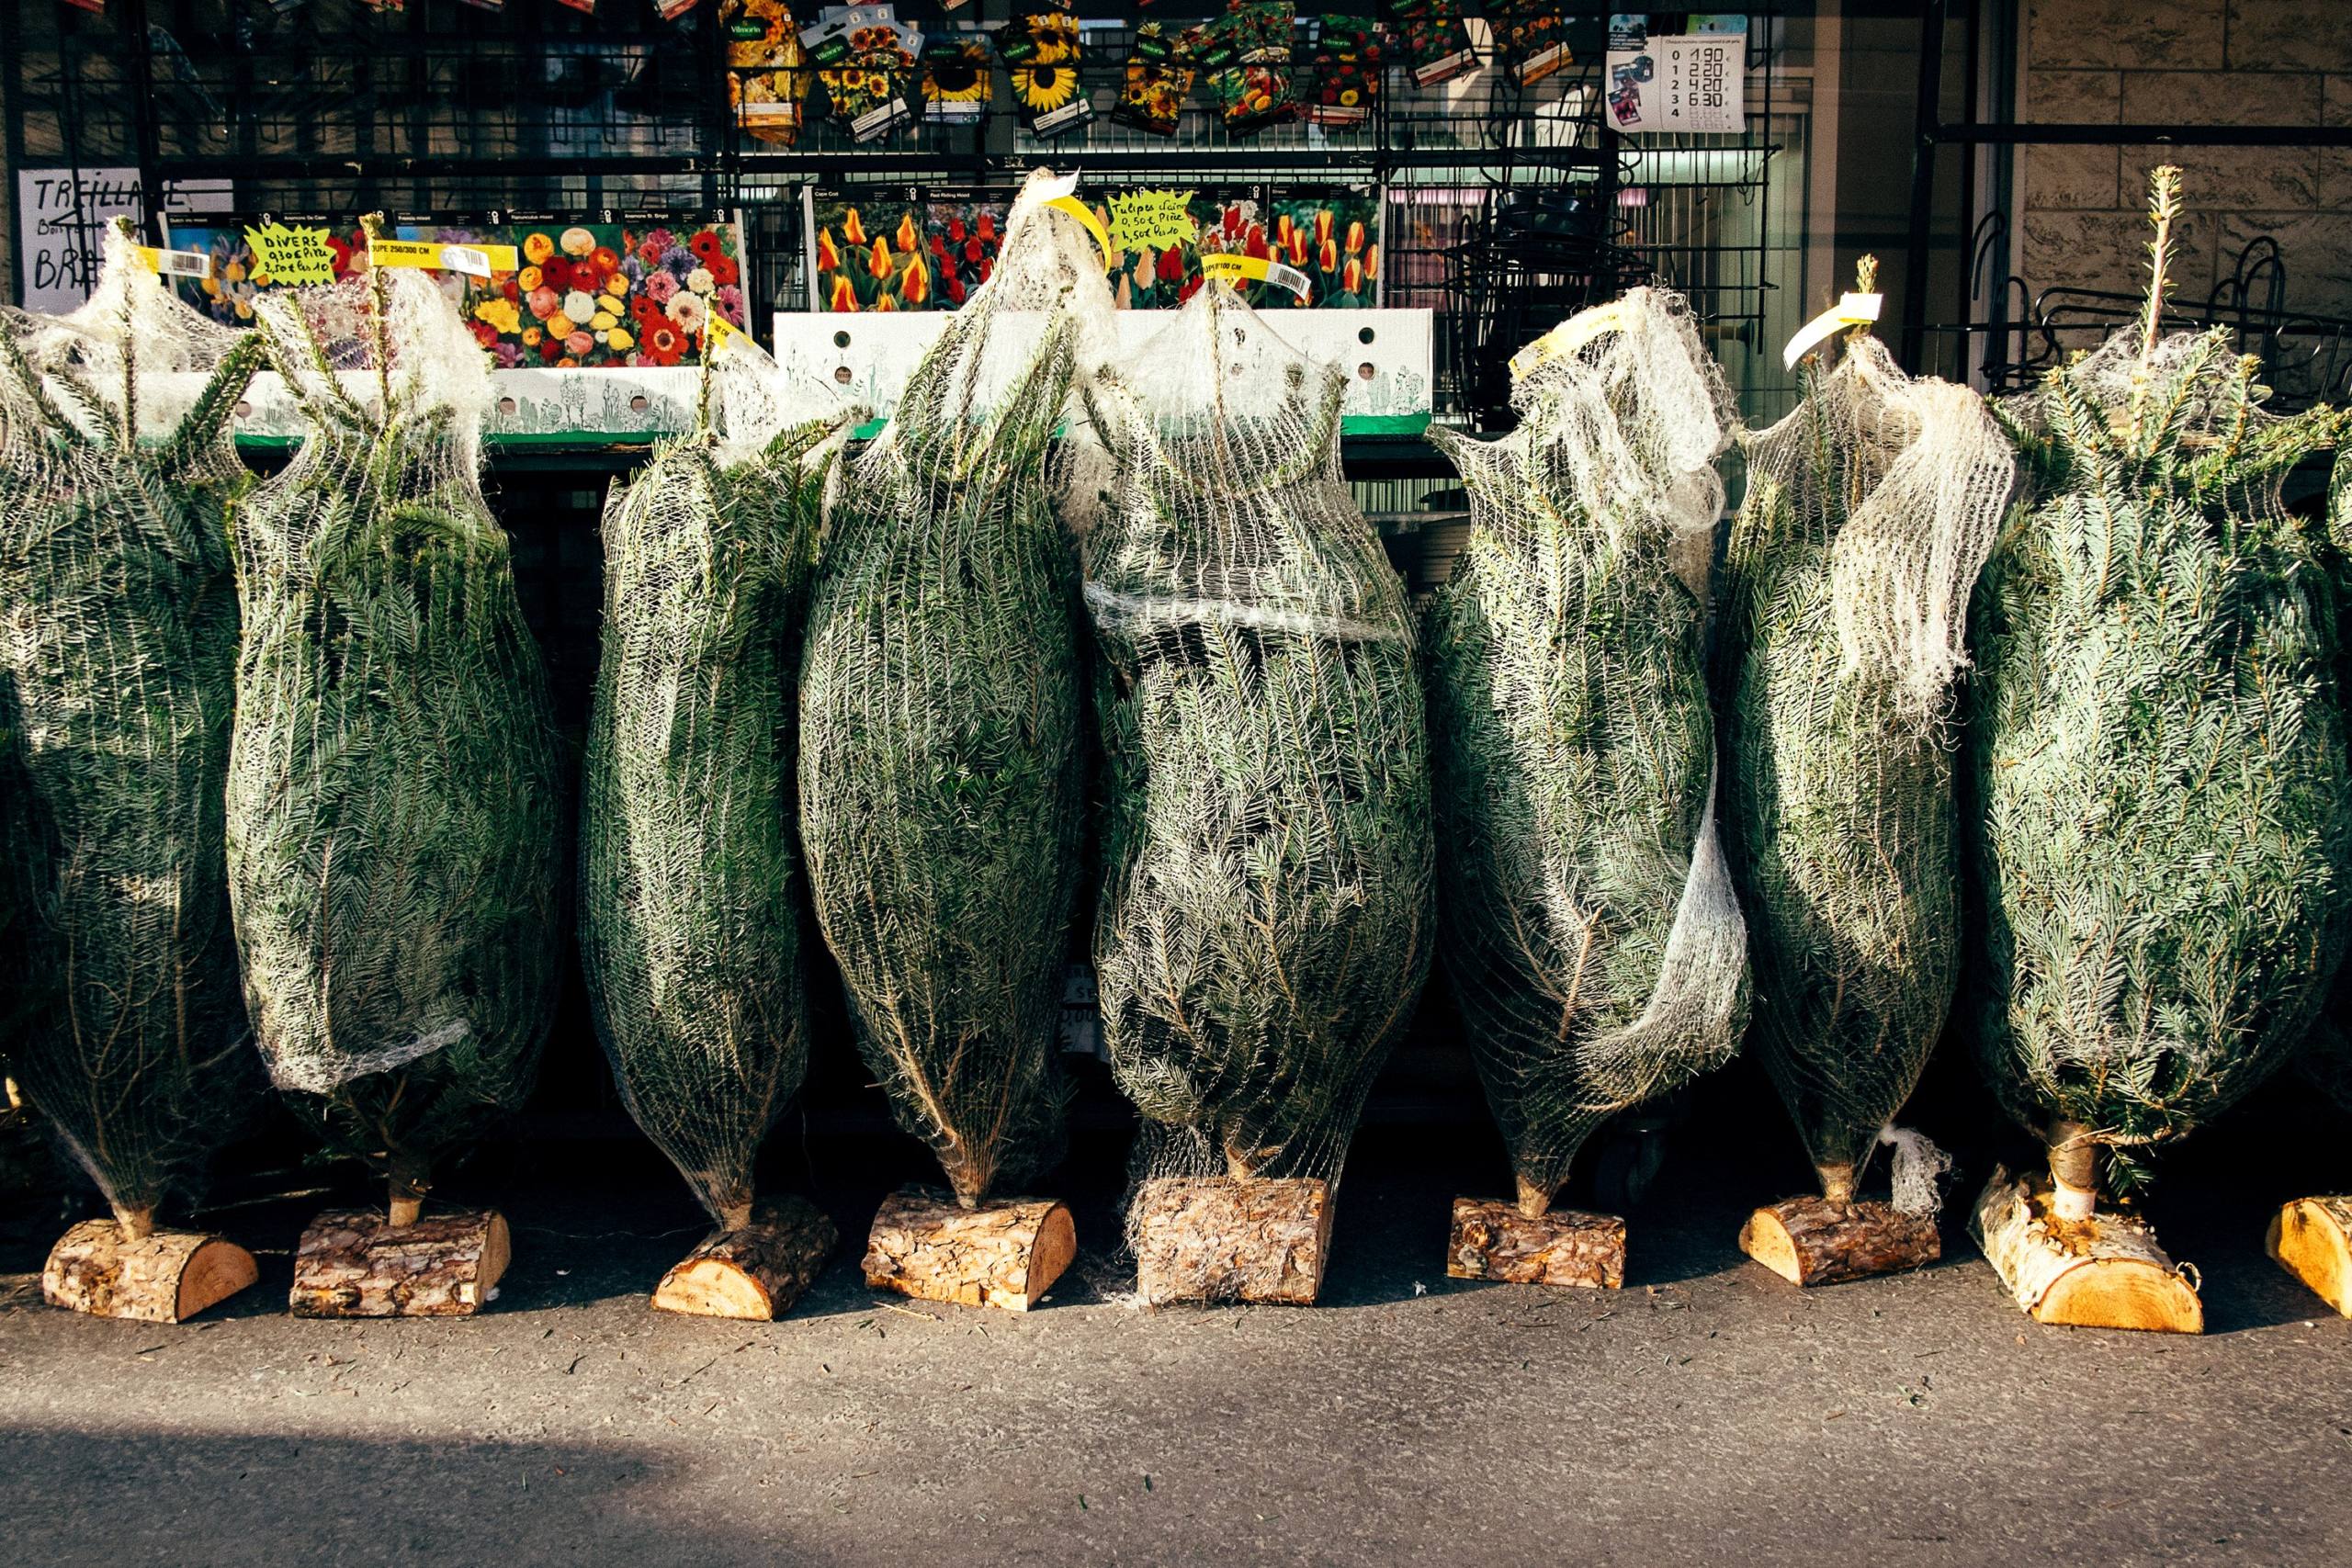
718,333
293,257
475,261
1569,336
1230,268
176,264
1159,219
1085,215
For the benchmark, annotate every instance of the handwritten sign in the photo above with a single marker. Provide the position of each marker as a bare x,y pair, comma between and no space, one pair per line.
65,212
296,257
1159,219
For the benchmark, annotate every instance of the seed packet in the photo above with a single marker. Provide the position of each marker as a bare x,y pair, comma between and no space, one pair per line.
1436,43
867,95
956,76
767,76
1260,30
1041,49
1251,98
1160,78
1345,68
1531,36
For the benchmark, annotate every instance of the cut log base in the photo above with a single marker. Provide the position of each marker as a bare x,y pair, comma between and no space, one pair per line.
357,1263
755,1270
1817,1241
1494,1240
1231,1238
2312,1239
2107,1272
1005,1253
161,1277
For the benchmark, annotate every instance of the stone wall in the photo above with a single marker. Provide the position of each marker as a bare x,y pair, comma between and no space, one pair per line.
2188,61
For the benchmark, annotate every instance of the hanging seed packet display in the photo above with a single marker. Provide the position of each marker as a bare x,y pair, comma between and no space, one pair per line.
866,93
1267,910
1869,512
1160,78
117,674
1042,52
956,77
396,788
1435,41
2165,840
690,924
1251,87
767,76
942,780
1592,932
1345,71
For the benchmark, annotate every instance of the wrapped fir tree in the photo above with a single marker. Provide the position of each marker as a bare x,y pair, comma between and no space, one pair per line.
396,785
689,920
2167,809
1590,931
118,664
941,782
1869,512
1266,918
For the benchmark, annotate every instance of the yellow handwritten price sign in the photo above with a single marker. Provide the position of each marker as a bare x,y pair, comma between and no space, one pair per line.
1229,268
296,257
1159,219
474,261
1085,215
176,264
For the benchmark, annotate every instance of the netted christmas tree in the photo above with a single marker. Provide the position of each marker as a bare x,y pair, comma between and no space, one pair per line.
941,785
1868,515
396,784
117,660
690,925
2167,809
1266,919
1590,931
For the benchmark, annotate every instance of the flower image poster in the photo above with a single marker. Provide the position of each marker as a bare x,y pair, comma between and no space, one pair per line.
872,255
963,234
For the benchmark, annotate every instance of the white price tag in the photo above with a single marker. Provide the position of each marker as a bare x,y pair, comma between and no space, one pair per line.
1851,310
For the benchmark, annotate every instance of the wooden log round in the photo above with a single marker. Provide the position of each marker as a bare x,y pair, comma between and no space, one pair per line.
356,1263
161,1277
1494,1240
756,1270
2105,1272
2312,1239
1004,1254
1816,1241
1231,1238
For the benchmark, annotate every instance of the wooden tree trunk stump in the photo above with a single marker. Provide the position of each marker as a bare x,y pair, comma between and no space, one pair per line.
356,1263
2104,1272
1816,1241
1496,1240
1231,1238
164,1277
756,1271
2312,1239
1005,1253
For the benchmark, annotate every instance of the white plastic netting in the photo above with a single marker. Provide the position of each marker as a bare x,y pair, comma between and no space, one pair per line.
396,786
1590,931
942,788
2165,839
1266,919
117,657
690,895
1869,512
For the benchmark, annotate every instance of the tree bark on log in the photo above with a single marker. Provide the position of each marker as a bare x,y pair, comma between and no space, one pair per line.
357,1263
756,1270
161,1277
1004,1254
2104,1272
1494,1240
2312,1239
1815,1241
1231,1238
